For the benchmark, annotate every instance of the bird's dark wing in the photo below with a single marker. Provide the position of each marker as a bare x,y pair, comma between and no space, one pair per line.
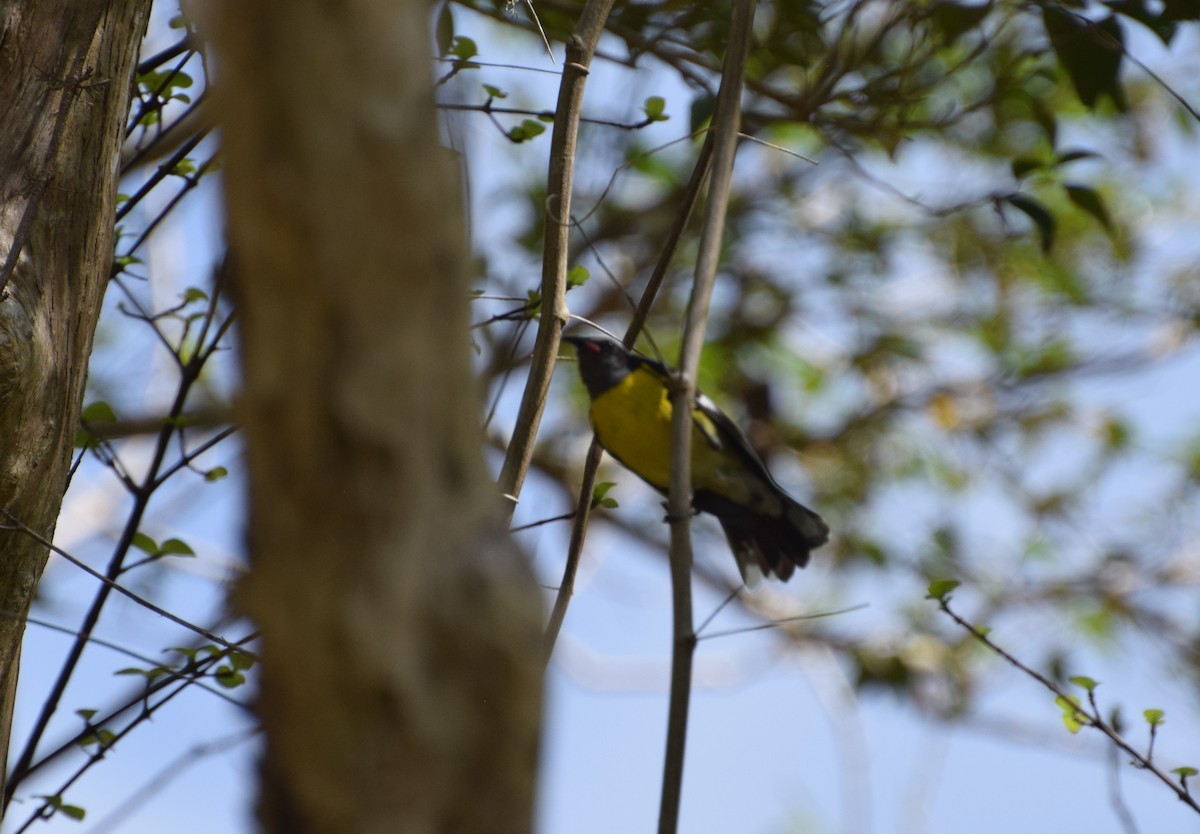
729,436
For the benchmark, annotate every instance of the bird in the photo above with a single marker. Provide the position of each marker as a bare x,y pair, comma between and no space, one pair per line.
769,532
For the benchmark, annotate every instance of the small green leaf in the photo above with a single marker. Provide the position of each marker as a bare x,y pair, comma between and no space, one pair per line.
953,20
1070,156
445,30
215,474
703,108
600,496
176,547
1116,434
526,130
577,276
1073,719
98,412
146,544
1041,218
463,48
241,660
1090,201
177,22
1084,682
193,294
494,92
73,811
1154,717
655,108
85,714
228,677
1185,771
1025,165
940,589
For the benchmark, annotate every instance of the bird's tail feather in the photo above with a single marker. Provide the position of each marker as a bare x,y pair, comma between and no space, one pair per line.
766,545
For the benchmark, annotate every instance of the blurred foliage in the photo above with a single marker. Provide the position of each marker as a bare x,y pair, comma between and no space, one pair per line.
938,319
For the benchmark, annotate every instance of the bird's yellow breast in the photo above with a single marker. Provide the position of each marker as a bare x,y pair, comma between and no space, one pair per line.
633,422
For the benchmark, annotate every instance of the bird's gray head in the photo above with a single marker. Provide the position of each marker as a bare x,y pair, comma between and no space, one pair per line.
602,363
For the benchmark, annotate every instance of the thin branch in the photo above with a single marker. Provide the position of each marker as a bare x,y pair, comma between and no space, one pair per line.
46,809
580,49
98,641
724,133
776,623
176,768
16,524
583,505
189,373
1089,718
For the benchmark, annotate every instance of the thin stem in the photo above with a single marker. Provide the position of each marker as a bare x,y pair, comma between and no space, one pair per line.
1091,719
724,133
580,48
583,507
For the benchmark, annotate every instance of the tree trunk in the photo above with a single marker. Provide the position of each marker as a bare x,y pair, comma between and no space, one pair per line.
401,676
65,76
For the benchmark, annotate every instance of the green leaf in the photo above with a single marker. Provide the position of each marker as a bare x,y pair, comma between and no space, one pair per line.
655,109
85,714
526,130
1116,434
228,677
177,22
73,811
241,660
940,589
1039,215
463,48
953,20
1084,682
1072,717
1185,771
193,294
1161,24
1089,51
577,276
215,474
98,412
1090,201
494,92
1022,166
1070,156
176,547
145,544
445,30
703,108
1154,717
600,496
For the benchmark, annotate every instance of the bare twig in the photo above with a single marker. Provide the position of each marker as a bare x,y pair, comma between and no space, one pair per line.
724,132
583,507
580,48
1090,718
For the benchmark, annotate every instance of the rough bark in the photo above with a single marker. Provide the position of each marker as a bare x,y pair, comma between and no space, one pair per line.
401,672
65,75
